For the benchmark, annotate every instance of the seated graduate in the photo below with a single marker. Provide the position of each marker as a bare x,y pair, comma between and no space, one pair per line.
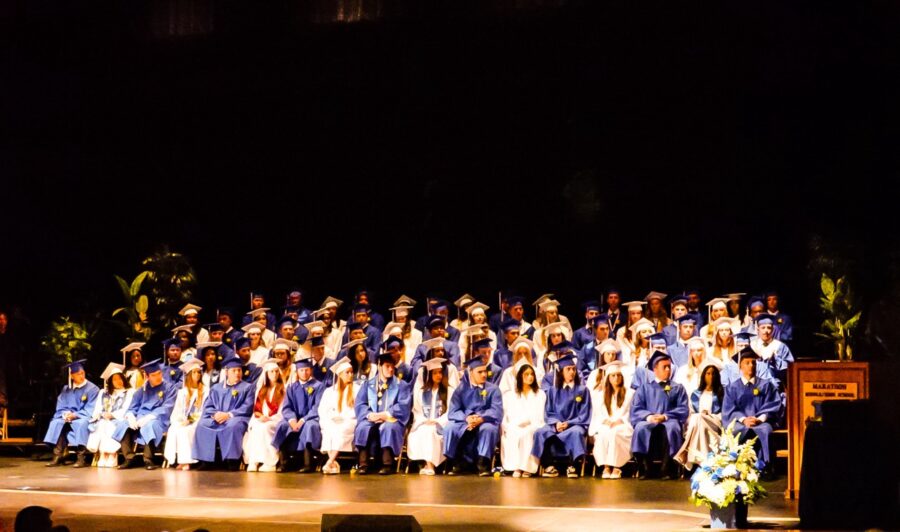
521,349
567,414
555,335
435,328
516,311
587,355
383,406
436,348
211,369
551,368
226,413
365,297
658,413
656,310
133,359
337,415
731,371
625,334
74,407
610,420
751,402
283,351
585,334
718,308
477,316
472,334
723,347
688,375
596,355
109,408
187,341
784,325
441,308
250,372
482,349
431,402
637,350
705,421
523,415
361,360
333,328
678,309
605,353
185,415
298,430
259,349
678,346
549,319
259,453
404,330
734,306
509,331
476,411
772,352
315,329
361,322
462,308
394,347
147,419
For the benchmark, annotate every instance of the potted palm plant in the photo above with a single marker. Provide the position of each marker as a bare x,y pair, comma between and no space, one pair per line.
841,317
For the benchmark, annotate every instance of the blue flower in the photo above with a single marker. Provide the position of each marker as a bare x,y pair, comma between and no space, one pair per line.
733,455
715,477
695,485
737,490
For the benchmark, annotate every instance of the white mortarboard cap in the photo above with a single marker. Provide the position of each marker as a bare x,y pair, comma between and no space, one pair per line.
203,345
393,327
547,304
401,310
331,302
111,369
341,366
519,363
191,364
472,330
477,308
608,345
132,346
519,342
556,327
635,305
432,343
613,367
735,295
541,299
189,309
464,300
282,343
642,323
353,343
252,326
725,321
180,328
655,295
719,301
256,312
315,325
405,300
710,361
434,363
269,362
696,340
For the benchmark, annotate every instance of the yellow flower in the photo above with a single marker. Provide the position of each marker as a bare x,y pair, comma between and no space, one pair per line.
246,372
159,394
84,398
490,373
400,375
379,395
667,388
755,391
234,393
172,373
384,386
309,390
578,399
484,393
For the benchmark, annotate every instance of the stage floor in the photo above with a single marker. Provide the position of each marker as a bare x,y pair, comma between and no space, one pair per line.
103,499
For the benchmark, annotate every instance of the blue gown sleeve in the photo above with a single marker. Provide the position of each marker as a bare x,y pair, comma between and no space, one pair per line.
361,407
639,410
402,406
678,408
550,411
583,416
456,410
494,413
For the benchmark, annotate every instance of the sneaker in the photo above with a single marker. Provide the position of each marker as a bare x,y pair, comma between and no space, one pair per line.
571,472
616,473
427,471
517,474
606,473
550,472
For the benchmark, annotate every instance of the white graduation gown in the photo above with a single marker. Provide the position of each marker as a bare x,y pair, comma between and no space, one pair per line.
259,355
103,429
690,382
516,441
337,426
257,442
508,378
409,344
611,431
182,426
424,442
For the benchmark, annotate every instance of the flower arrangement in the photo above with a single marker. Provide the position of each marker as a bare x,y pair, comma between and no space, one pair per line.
728,474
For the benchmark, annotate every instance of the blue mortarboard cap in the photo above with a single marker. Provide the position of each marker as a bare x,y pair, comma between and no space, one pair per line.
385,357
76,366
691,290
225,310
232,362
657,339
484,342
744,336
601,318
515,300
746,352
361,307
304,362
440,304
290,309
613,290
566,361
475,362
764,318
257,294
678,298
285,319
355,326
509,324
213,327
391,342
152,367
241,343
317,341
756,301
591,305
169,342
656,358
563,346
689,318
435,320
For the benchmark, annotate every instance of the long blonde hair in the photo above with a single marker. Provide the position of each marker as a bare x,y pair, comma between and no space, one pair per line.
199,387
341,388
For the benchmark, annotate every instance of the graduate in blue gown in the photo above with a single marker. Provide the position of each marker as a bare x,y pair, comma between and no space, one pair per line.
442,309
509,333
751,403
588,352
298,430
551,368
435,326
568,414
250,372
225,317
383,407
226,413
482,349
376,320
677,309
74,408
258,302
475,413
658,413
677,348
320,363
395,346
586,334
360,322
172,373
148,416
784,325
517,312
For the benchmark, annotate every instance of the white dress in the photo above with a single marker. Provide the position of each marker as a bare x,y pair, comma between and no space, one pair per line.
508,378
612,443
453,376
333,342
259,355
690,382
701,433
516,441
257,442
337,426
102,429
424,441
135,378
182,426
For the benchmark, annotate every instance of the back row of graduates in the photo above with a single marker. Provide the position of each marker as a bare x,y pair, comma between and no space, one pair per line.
318,402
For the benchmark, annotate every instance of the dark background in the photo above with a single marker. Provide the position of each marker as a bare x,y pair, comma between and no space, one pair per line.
411,146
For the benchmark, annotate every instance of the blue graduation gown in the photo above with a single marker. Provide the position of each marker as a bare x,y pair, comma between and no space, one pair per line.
784,327
404,372
232,336
502,357
651,398
740,401
396,400
642,375
485,401
373,339
732,372
251,373
156,400
695,403
451,353
452,334
301,401
377,320
587,359
321,372
679,354
494,373
494,322
582,336
173,375
237,400
572,405
670,331
79,401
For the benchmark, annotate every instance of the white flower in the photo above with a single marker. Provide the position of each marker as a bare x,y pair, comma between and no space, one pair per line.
729,471
752,476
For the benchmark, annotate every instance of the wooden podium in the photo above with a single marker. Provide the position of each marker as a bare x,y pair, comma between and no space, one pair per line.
813,382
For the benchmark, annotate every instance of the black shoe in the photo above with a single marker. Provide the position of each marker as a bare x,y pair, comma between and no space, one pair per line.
233,465
80,462
306,469
455,470
386,470
128,463
362,470
149,465
56,462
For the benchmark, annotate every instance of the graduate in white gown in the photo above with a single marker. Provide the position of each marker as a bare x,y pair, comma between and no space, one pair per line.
688,375
523,414
259,454
111,406
185,414
405,331
259,349
211,363
522,349
555,334
723,347
610,425
705,422
337,417
132,360
718,308
479,320
607,352
431,402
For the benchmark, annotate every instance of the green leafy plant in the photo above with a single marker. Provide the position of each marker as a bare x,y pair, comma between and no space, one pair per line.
841,316
136,306
170,280
67,340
